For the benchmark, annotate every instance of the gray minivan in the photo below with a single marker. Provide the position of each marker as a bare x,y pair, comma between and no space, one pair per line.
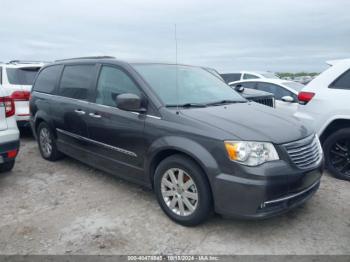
179,130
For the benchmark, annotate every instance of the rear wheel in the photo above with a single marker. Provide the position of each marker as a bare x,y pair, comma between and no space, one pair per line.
337,153
6,167
47,143
183,191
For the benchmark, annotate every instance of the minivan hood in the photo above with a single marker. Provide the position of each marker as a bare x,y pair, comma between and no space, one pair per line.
252,122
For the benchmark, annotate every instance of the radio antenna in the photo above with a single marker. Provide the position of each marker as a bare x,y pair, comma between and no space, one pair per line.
176,73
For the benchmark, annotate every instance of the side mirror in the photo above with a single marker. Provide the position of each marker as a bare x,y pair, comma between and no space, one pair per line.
239,88
288,99
130,102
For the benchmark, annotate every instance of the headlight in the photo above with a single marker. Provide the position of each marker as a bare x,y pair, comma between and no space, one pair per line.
251,153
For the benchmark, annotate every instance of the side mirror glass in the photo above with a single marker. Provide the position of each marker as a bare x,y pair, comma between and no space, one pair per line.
288,99
130,102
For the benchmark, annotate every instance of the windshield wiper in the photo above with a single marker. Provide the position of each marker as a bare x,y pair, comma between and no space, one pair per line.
222,102
187,105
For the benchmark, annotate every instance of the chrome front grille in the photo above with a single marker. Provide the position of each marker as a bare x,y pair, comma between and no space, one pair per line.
305,153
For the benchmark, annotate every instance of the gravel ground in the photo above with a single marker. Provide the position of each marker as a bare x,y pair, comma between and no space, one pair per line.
67,207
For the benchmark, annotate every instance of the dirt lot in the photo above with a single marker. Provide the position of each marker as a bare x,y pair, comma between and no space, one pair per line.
68,208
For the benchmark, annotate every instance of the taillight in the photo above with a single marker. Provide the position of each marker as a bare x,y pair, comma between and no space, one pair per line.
9,105
12,153
305,97
20,95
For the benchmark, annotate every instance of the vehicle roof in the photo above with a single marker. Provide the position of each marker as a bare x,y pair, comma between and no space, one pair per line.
112,60
248,72
267,80
258,72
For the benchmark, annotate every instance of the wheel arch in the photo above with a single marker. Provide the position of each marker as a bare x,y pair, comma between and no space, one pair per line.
42,117
165,147
334,125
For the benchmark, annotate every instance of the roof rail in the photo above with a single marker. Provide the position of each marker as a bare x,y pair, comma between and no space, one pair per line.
86,57
24,62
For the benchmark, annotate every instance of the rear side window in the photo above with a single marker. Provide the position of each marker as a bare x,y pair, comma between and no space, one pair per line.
47,79
76,81
342,82
278,91
249,76
22,76
231,77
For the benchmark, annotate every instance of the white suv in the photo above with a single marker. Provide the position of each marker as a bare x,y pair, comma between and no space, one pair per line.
325,103
16,78
9,134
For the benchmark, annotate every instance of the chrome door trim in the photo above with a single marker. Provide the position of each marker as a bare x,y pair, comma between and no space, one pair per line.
151,116
155,117
118,149
64,97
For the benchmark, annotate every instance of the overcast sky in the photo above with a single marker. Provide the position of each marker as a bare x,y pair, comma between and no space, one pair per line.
275,35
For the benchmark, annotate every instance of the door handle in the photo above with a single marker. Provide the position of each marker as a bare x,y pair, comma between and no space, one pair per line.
95,115
79,112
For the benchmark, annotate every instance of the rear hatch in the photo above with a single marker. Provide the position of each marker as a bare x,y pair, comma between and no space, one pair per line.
22,77
21,80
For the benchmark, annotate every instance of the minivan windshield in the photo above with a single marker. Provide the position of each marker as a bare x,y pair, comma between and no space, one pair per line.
22,76
186,85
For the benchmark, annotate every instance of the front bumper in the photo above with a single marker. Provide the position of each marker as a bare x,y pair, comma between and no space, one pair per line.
7,151
269,190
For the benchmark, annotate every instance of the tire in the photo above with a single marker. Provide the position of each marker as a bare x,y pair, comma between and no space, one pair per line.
6,167
47,143
25,131
337,153
177,201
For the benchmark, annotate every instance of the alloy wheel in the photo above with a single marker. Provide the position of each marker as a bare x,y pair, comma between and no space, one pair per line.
340,156
179,192
45,141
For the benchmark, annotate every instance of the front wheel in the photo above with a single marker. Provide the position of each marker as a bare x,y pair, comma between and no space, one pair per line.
183,191
337,153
